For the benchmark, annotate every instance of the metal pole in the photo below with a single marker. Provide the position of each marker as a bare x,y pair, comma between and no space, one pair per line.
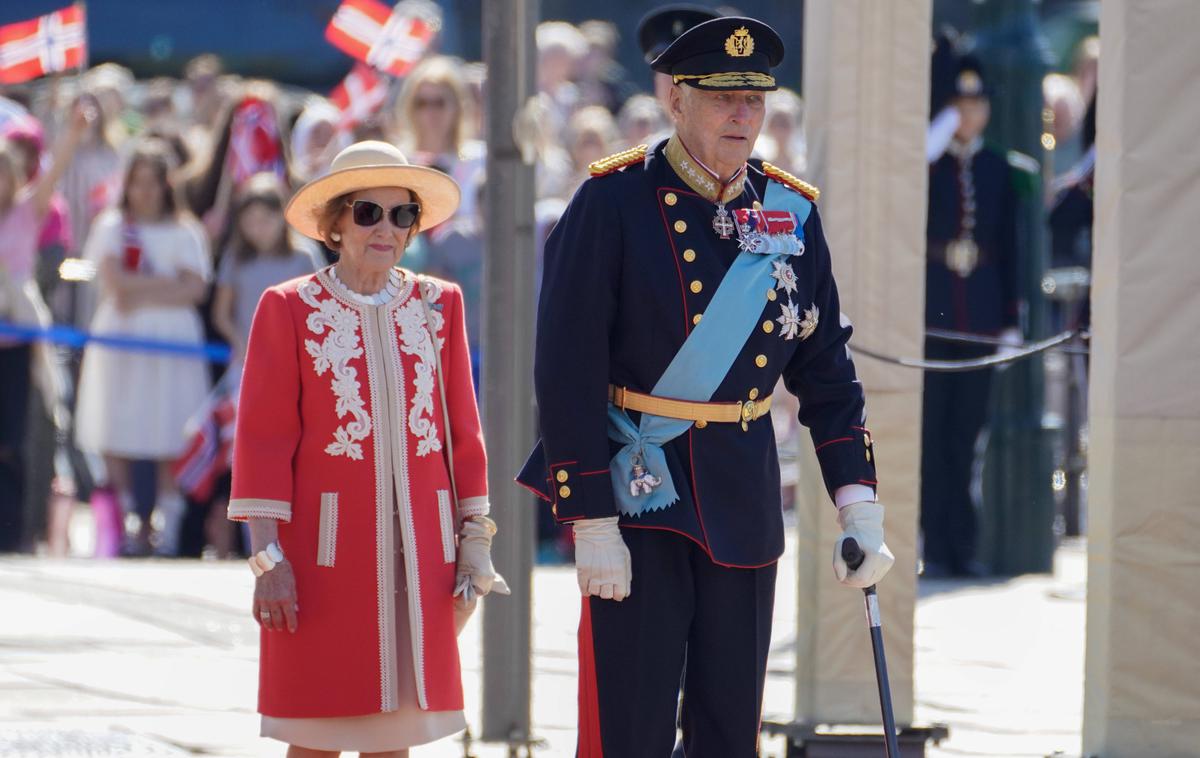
507,390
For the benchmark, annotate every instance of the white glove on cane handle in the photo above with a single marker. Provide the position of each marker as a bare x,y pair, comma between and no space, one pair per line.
864,522
602,564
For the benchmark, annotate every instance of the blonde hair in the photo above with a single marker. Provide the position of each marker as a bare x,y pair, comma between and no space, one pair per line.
442,71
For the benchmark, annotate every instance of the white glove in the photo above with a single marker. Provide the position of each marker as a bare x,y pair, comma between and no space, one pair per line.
476,575
864,522
602,563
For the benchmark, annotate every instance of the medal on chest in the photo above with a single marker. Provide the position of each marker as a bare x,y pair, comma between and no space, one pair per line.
722,222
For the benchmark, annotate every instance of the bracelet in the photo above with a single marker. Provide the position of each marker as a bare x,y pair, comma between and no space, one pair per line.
266,559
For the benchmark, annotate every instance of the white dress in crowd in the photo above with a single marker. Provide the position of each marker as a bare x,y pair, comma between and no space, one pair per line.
135,404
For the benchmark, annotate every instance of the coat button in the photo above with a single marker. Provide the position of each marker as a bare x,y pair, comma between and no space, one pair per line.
754,394
768,325
564,491
696,319
562,476
681,226
771,295
670,198
701,424
689,255
697,285
761,361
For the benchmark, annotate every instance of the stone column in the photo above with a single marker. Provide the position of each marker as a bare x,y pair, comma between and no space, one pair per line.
1142,693
866,87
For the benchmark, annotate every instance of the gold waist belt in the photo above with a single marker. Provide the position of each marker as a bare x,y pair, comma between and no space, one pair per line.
729,413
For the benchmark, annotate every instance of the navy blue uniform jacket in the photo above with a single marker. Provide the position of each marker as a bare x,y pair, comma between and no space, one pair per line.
623,281
985,301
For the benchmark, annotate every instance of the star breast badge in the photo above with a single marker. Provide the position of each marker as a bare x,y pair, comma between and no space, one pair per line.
809,324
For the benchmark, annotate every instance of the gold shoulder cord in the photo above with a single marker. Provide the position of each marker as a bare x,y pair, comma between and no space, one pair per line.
783,177
618,161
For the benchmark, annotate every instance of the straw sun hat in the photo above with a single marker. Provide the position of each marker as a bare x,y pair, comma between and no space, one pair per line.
367,165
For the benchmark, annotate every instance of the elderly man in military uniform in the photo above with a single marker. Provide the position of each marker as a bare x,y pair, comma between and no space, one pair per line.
970,286
680,285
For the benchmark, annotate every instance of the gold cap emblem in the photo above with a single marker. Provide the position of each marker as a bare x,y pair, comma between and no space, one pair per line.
969,83
739,44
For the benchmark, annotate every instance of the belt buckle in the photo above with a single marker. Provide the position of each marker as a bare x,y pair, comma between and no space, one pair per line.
747,408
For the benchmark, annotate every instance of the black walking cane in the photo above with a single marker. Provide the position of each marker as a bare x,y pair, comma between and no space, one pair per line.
853,555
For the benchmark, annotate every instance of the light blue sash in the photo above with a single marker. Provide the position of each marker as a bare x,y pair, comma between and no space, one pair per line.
700,366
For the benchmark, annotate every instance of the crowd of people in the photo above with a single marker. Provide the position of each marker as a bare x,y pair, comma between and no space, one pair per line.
153,210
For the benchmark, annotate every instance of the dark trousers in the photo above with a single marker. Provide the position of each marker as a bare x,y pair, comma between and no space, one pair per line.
632,654
955,411
15,380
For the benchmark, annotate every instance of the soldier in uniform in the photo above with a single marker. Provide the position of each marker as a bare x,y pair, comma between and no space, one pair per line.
681,283
970,286
662,26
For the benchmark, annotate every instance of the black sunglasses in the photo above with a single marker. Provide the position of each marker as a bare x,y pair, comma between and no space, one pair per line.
402,216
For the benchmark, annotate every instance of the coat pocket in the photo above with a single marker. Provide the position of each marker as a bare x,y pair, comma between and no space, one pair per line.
446,515
327,538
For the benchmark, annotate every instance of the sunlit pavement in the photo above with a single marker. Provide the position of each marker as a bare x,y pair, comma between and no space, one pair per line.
160,658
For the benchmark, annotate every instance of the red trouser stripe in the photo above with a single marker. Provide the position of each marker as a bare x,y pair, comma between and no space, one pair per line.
589,745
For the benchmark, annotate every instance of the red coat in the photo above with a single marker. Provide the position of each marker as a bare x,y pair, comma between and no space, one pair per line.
339,410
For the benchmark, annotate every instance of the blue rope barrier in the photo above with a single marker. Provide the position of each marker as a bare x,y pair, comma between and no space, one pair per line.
77,338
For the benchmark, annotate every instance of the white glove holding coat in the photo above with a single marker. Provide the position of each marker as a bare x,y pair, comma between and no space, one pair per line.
864,522
602,564
476,576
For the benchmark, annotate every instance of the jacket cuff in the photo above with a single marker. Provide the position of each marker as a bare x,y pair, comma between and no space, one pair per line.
579,494
473,506
848,459
245,508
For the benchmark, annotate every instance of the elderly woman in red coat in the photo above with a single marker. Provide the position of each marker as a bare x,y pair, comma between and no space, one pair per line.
359,463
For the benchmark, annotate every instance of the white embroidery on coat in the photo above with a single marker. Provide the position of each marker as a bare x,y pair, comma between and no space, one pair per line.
415,336
340,326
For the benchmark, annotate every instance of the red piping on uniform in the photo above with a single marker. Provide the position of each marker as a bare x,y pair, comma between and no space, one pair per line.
868,481
675,254
830,442
594,473
563,463
531,489
707,552
589,742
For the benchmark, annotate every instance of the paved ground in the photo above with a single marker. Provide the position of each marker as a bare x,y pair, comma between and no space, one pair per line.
159,658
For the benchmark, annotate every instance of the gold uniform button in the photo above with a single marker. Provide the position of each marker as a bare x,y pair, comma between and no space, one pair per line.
564,491
681,226
697,286
867,439
670,198
754,394
771,295
696,319
689,255
868,456
768,325
562,476
761,361
701,424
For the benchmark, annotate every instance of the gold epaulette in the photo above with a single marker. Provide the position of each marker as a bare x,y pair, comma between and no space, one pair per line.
618,161
783,177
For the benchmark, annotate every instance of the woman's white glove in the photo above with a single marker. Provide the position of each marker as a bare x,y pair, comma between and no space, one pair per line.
476,575
864,522
602,563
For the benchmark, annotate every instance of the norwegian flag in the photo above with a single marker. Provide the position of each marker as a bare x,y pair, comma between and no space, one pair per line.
209,451
360,95
254,141
391,40
43,45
